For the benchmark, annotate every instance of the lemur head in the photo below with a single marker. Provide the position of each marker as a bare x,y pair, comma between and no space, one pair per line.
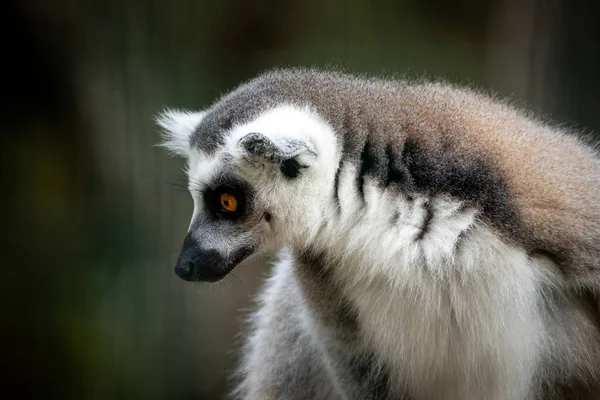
256,185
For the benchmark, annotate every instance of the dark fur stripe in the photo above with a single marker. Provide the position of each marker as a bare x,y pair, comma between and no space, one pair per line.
378,160
323,294
374,165
426,221
365,165
395,218
462,237
444,171
366,374
398,174
374,380
336,187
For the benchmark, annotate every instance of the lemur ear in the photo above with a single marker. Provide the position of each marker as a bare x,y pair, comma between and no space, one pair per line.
289,154
178,126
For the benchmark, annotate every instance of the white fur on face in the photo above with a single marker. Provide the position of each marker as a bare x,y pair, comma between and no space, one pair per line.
201,169
296,204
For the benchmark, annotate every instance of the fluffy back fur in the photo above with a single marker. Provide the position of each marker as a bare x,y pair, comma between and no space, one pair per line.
442,244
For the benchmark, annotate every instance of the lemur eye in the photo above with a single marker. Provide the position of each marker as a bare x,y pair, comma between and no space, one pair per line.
229,202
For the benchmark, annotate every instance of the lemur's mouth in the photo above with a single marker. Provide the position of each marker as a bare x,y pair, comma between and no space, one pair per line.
196,264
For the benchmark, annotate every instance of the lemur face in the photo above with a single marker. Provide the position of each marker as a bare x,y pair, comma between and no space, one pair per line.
261,186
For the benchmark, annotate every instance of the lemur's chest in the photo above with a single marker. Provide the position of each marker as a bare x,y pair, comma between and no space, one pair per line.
467,327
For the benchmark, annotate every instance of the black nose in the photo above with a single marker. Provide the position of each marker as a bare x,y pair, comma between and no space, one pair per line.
185,268
197,264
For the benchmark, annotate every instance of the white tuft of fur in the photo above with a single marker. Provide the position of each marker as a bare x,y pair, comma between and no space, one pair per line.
178,126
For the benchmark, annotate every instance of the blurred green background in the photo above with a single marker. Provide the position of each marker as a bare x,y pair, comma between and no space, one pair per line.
94,215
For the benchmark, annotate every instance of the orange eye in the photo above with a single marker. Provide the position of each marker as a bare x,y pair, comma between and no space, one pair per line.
229,202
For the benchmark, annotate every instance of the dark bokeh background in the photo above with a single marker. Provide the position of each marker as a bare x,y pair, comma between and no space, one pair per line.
93,214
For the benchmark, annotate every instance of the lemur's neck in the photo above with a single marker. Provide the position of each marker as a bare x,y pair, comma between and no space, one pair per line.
416,245
399,239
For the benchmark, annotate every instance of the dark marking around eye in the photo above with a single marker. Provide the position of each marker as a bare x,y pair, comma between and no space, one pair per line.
268,217
227,185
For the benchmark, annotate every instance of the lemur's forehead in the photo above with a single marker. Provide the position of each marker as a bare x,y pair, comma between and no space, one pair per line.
283,121
202,167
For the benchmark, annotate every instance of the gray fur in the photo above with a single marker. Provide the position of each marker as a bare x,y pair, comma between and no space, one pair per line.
334,368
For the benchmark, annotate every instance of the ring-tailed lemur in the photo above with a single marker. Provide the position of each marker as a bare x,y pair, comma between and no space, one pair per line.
440,244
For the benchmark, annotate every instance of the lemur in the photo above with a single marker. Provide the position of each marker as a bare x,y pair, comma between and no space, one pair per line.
435,242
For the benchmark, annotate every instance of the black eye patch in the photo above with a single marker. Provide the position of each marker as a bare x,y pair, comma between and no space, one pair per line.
219,195
214,201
